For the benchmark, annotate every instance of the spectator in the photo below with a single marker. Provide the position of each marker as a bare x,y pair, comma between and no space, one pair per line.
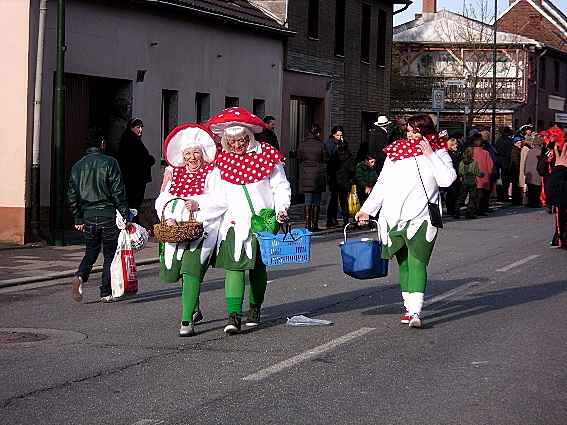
379,137
268,135
468,174
556,190
135,163
454,191
365,178
533,179
311,158
485,165
95,192
504,145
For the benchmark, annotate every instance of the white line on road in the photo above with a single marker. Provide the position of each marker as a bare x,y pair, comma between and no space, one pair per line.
149,422
314,352
518,263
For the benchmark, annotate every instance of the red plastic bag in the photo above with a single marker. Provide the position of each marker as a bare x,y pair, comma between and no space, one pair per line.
123,272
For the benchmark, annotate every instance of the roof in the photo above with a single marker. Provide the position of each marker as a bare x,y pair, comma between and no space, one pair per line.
240,12
446,27
548,10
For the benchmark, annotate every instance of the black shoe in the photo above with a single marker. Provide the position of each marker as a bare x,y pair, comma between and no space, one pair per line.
197,316
233,325
253,318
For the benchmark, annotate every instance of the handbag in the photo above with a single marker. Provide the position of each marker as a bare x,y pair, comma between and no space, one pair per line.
362,259
265,220
353,202
434,210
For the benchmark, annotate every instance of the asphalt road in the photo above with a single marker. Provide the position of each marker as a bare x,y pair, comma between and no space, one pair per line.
493,350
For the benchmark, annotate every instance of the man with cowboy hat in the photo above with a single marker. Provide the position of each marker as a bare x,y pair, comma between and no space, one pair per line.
378,139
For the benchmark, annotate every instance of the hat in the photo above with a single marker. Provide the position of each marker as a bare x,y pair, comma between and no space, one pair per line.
235,116
382,121
187,136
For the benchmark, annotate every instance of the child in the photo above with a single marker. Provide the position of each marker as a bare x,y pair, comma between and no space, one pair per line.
365,177
468,173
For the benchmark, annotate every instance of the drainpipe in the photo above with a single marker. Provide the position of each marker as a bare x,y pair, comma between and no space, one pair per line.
542,54
35,170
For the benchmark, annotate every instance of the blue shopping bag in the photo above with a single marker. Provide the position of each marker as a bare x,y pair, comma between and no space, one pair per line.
362,258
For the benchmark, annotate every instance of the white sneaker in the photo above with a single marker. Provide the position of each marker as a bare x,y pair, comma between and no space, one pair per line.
107,299
415,321
186,330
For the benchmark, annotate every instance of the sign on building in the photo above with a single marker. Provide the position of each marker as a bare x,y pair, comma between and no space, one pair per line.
438,99
562,118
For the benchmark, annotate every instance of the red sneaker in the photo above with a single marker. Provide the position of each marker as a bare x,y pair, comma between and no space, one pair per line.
406,317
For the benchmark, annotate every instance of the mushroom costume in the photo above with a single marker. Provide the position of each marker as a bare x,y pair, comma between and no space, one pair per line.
257,174
190,261
401,200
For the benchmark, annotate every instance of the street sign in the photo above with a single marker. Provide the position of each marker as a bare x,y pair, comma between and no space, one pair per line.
460,83
438,99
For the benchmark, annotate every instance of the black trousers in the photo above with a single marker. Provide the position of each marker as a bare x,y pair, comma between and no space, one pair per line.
483,200
135,196
533,196
560,236
336,198
99,232
452,198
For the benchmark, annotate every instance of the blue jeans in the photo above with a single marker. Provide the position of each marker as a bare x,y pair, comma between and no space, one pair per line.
99,231
313,198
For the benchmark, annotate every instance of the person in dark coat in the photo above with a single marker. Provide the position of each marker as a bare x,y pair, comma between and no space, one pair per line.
135,163
556,192
311,158
504,145
340,174
454,191
378,138
268,135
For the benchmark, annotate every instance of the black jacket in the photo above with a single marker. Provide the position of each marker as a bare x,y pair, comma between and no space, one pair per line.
269,137
96,188
556,187
135,161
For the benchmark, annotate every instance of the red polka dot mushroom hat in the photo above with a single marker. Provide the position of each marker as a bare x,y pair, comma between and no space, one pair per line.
187,136
236,120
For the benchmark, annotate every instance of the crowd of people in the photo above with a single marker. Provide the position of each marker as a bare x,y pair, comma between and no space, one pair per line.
229,175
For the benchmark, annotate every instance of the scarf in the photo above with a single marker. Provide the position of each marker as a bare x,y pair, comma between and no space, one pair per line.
186,183
405,148
249,168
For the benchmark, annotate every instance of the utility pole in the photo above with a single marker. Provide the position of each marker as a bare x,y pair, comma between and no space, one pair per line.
58,178
494,59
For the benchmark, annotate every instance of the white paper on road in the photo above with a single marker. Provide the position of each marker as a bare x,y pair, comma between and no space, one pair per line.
302,320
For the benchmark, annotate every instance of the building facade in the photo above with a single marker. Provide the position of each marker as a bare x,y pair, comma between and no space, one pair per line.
165,62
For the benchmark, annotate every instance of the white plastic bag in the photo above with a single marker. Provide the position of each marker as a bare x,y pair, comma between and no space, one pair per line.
302,320
123,272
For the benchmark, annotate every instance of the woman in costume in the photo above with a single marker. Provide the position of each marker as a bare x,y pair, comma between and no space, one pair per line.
414,170
256,189
191,186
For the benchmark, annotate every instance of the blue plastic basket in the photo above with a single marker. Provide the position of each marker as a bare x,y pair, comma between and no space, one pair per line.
291,247
362,258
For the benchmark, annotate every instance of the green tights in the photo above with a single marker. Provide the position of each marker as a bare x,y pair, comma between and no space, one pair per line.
189,297
234,288
413,272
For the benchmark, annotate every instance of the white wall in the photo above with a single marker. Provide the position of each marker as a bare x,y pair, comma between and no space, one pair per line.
115,42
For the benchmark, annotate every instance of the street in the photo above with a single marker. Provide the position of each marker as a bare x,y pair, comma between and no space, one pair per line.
492,350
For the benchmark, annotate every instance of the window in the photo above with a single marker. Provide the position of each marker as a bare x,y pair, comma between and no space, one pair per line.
202,107
365,34
557,66
542,73
230,102
313,19
381,49
259,107
169,111
340,28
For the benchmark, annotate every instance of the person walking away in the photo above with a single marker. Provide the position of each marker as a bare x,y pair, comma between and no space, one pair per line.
454,191
468,174
485,165
135,163
503,146
95,193
311,158
413,172
268,135
365,177
533,179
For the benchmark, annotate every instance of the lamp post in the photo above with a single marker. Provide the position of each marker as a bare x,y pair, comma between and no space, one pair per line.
494,59
58,178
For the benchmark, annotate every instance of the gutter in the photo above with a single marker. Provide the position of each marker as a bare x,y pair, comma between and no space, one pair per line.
407,4
232,19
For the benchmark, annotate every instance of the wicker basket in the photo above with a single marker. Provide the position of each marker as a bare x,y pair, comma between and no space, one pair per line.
184,231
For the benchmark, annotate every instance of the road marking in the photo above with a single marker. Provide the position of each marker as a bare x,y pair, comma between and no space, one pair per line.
149,422
517,263
452,292
300,358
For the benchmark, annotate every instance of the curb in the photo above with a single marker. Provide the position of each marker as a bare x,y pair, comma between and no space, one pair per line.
97,269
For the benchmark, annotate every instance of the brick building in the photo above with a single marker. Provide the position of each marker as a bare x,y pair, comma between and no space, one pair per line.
543,21
337,66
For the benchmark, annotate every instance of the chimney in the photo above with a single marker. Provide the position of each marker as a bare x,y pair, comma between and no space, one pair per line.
429,6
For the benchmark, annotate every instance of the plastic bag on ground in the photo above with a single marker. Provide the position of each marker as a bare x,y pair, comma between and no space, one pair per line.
302,320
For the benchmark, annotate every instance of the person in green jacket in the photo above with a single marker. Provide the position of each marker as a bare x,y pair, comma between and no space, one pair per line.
468,172
365,177
96,191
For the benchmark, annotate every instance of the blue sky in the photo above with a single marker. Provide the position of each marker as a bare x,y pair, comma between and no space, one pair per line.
457,6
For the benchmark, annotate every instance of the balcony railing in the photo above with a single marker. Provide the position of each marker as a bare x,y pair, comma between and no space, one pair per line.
411,90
